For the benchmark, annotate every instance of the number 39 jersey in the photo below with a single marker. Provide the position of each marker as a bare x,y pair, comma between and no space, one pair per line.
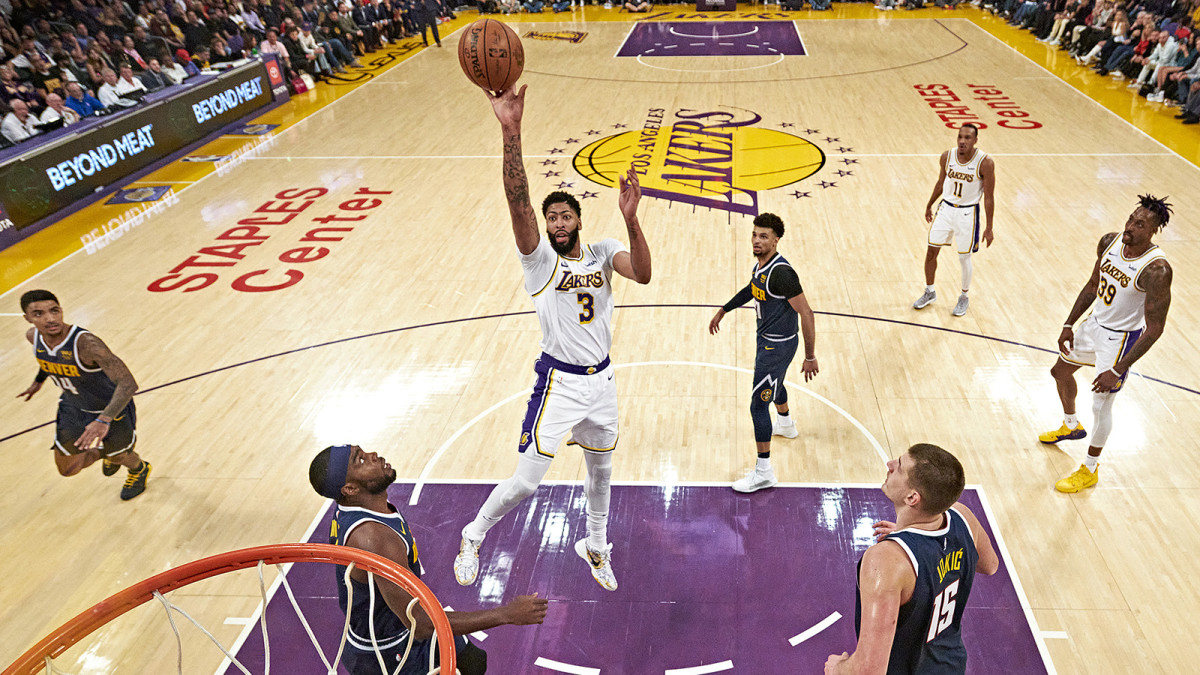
87,389
573,299
1121,299
929,628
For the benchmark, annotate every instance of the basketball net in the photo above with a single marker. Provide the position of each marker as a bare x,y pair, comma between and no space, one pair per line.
40,658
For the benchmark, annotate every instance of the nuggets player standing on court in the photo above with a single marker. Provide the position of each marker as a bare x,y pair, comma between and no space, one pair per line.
778,300
96,417
914,584
1132,280
967,176
571,286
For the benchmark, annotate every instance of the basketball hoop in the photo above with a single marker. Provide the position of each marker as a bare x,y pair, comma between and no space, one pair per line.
38,657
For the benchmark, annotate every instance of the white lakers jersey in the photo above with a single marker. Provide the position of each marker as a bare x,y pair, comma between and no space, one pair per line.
573,299
1121,299
963,185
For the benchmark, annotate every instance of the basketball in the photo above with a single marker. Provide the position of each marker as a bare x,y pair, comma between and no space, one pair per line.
491,55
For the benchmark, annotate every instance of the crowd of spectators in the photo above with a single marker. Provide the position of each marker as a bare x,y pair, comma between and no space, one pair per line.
1150,43
65,60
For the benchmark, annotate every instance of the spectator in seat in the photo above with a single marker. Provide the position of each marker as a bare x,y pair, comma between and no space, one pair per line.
132,56
108,93
11,87
195,33
351,31
314,51
56,109
272,45
154,78
82,102
46,78
18,125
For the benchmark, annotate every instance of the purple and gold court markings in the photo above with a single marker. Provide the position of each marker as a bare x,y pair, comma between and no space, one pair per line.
762,583
713,38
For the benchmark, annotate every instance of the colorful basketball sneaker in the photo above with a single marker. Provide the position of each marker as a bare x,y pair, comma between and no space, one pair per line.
1063,433
109,467
600,564
1081,480
135,482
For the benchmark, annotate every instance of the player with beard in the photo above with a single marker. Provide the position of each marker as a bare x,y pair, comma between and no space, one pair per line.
365,519
574,392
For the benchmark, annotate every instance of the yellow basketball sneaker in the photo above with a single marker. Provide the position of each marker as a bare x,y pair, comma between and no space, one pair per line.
1081,480
1063,433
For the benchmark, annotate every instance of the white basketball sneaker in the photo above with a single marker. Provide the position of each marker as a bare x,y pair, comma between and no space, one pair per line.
600,564
926,298
756,480
787,430
466,563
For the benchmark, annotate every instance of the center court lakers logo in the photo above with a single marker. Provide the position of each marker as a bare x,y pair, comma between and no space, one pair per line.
719,159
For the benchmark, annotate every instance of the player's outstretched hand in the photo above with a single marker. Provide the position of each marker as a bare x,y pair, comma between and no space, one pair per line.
714,326
33,389
509,105
988,236
883,528
527,609
631,193
93,433
1066,340
810,369
831,664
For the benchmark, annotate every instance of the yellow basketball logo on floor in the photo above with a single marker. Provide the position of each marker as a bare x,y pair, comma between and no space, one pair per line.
718,158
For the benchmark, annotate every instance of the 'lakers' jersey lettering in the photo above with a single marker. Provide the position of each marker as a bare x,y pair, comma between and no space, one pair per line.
963,185
82,387
573,299
1120,299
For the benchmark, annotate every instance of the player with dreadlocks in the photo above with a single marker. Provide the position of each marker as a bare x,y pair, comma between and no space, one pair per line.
1132,281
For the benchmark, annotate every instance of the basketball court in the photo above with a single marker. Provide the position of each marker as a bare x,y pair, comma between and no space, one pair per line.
347,274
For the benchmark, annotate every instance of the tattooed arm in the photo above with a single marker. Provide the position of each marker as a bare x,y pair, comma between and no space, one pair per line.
93,352
509,106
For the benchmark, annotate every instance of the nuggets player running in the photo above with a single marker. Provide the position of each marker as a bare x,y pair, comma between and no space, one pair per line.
1132,281
778,300
571,286
914,584
968,175
96,416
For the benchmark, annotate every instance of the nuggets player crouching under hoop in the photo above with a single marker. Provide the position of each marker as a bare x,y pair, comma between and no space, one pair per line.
571,287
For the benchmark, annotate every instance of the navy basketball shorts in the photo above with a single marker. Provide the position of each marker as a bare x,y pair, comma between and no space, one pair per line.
771,361
69,426
359,662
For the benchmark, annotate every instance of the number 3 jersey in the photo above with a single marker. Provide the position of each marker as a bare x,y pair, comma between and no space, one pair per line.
929,627
87,389
573,299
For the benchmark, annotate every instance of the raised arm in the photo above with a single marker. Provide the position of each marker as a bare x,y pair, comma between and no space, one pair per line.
987,171
1085,298
937,187
93,352
636,263
509,106
382,540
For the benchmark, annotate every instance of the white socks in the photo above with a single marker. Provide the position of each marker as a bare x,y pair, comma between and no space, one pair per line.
1091,463
763,465
1072,421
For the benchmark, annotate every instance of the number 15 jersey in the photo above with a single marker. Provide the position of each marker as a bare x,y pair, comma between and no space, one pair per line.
928,637
573,299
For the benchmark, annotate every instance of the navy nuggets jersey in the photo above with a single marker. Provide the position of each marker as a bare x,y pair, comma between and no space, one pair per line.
87,389
389,630
776,318
929,628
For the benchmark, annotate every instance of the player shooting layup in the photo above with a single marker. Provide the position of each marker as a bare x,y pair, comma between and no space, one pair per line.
571,287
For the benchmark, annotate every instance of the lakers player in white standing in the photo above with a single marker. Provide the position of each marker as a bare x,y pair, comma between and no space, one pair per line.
571,286
968,176
1132,281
